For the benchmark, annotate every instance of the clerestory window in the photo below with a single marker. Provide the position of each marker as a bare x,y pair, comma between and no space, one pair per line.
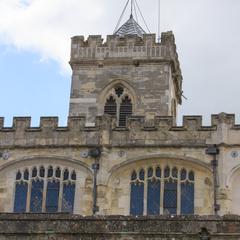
119,105
44,190
166,192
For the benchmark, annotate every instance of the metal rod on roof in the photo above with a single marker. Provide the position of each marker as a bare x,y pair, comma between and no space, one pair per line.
120,19
135,10
142,16
131,8
159,19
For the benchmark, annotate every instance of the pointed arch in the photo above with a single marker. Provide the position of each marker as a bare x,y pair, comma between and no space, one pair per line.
106,92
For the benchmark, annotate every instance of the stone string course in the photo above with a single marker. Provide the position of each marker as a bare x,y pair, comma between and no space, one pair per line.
73,227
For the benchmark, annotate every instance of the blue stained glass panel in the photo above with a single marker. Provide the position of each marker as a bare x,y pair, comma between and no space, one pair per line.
170,197
187,198
20,197
153,197
52,196
136,202
68,198
36,196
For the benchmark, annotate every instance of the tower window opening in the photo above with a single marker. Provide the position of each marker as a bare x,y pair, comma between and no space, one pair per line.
119,105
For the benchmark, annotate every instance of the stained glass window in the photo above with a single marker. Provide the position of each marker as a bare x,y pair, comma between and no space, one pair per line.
33,187
164,187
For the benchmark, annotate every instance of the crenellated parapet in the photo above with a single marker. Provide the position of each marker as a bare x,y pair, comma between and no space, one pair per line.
94,50
160,130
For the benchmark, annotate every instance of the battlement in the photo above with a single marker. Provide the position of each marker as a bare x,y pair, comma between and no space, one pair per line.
139,130
78,123
94,48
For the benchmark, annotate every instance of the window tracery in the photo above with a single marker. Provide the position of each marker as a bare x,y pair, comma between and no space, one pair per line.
169,193
119,104
44,190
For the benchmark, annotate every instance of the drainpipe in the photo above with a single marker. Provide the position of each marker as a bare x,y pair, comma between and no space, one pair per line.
95,153
214,151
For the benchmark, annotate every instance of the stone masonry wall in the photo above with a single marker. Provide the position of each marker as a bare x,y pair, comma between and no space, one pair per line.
73,227
141,144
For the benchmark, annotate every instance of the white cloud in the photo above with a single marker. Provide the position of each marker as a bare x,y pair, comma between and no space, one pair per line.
44,26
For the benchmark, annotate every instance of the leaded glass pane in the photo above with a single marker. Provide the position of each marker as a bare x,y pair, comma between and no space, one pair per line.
136,202
58,173
36,196
166,172
42,172
34,172
18,175
26,175
20,200
183,174
150,172
142,175
66,175
52,196
158,172
153,197
187,198
170,197
68,197
74,176
191,176
50,172
175,172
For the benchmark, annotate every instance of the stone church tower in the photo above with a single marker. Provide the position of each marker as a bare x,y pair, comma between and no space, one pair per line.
130,73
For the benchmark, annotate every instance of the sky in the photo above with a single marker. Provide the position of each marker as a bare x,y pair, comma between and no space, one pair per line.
35,76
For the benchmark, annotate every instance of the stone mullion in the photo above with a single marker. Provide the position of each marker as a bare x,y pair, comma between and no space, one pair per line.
162,194
44,194
179,195
60,194
29,195
145,195
118,102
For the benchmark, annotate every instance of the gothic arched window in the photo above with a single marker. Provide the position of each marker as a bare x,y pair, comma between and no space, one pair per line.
50,192
172,191
119,104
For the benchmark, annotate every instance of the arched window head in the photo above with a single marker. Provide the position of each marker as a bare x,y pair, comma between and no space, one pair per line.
26,174
50,171
42,171
119,105
34,172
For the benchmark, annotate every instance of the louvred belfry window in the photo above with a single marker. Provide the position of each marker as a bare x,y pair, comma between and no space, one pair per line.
119,104
125,111
110,107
